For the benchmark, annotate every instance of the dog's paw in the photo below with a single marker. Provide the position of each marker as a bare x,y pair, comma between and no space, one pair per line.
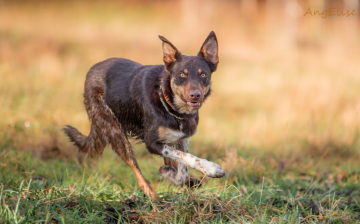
170,173
211,169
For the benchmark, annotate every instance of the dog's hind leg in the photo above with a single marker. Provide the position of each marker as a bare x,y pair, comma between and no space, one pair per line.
105,129
122,147
120,144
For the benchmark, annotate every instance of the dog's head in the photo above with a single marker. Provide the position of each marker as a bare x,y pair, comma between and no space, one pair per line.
190,76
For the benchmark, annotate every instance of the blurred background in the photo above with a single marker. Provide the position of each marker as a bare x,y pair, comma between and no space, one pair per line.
286,93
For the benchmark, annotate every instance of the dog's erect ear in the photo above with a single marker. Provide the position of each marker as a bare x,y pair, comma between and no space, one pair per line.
209,50
171,53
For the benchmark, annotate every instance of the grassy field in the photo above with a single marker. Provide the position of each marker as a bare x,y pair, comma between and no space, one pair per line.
283,119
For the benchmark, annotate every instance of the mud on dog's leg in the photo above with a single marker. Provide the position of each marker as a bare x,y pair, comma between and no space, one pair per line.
126,153
121,145
105,129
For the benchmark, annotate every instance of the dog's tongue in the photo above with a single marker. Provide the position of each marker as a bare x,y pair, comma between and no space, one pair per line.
193,104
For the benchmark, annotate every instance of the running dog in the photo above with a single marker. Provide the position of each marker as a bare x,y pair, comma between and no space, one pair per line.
156,104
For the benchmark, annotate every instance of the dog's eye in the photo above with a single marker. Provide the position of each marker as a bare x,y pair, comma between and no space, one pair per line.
182,75
203,75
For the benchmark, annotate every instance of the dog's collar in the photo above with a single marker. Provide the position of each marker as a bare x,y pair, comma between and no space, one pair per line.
167,99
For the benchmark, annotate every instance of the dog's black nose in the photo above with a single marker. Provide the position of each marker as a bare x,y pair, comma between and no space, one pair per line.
195,94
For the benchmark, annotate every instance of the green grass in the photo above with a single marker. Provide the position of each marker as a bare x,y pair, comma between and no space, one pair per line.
65,191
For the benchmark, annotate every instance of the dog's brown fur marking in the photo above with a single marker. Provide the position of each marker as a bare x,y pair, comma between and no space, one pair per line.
169,53
205,89
169,135
178,102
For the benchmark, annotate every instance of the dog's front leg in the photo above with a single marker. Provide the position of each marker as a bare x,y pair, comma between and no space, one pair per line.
206,167
177,173
182,174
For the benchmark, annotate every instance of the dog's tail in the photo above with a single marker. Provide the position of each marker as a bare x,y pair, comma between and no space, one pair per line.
75,136
91,145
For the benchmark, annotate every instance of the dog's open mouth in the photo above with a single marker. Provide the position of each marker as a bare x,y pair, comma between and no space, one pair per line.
193,104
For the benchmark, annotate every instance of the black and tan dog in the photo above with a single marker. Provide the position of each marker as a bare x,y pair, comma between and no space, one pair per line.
155,103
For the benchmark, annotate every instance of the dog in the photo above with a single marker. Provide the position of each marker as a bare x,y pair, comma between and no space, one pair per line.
156,104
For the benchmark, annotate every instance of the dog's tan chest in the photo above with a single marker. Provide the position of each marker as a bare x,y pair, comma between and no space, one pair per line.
169,135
